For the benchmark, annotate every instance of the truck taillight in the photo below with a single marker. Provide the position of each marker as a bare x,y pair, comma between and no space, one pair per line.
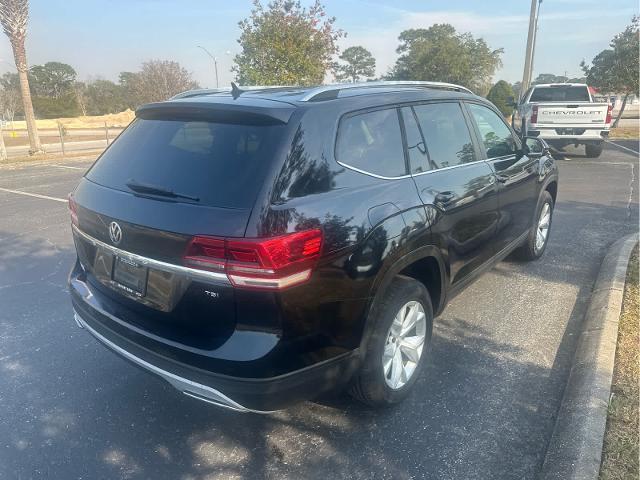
534,114
263,263
73,209
609,114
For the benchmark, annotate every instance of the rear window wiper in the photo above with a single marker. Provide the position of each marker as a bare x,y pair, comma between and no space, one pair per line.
157,190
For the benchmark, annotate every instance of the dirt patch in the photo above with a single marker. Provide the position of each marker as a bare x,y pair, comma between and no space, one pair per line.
621,133
121,119
620,452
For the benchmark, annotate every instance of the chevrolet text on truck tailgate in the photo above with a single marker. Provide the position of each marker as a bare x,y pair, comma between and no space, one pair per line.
256,248
564,114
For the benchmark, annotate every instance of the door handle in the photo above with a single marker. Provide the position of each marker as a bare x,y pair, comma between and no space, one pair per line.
502,178
445,197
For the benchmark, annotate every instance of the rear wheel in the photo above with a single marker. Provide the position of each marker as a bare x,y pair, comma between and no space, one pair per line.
536,241
593,150
398,345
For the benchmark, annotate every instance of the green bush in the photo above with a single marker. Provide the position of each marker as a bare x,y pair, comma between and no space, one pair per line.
500,95
64,106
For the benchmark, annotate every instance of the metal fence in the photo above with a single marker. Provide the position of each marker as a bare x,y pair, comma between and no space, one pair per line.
62,140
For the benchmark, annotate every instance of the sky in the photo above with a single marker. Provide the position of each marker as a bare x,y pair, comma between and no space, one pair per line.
101,38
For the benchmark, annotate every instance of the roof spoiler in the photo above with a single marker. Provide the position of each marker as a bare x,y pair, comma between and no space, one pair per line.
216,112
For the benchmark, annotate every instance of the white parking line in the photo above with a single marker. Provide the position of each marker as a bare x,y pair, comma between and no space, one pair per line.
624,148
70,167
36,195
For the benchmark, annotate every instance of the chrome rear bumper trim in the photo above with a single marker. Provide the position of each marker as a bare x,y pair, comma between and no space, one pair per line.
217,277
184,385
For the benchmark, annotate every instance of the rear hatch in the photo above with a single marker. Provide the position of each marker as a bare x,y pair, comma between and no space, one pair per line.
565,105
574,114
180,170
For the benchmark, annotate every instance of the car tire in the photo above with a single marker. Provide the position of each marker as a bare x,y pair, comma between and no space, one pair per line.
532,248
593,150
382,382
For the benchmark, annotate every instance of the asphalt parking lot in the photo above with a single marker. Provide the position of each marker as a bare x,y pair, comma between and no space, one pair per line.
484,407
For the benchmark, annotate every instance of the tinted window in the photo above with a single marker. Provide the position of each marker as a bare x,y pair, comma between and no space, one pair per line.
495,134
560,93
445,130
221,164
418,158
372,142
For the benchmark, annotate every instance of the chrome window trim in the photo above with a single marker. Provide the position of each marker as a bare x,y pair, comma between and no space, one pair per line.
375,175
448,168
501,157
411,175
216,277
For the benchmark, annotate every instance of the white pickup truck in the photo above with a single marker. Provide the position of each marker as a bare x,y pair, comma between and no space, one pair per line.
564,114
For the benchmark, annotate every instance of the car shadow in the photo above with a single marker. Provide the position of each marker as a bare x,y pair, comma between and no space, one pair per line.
485,402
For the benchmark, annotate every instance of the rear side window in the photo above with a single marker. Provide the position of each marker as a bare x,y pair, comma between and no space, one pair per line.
446,132
221,164
495,134
372,142
560,93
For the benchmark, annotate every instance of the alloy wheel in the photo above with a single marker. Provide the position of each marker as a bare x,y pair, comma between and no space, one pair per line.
404,344
542,230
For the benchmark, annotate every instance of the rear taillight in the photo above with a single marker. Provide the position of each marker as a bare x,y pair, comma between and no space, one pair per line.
609,114
73,210
534,114
264,263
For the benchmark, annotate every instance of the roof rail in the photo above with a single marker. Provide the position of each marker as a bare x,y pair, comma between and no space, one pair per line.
198,92
326,92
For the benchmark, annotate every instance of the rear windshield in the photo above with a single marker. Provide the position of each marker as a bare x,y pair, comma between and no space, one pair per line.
220,164
560,94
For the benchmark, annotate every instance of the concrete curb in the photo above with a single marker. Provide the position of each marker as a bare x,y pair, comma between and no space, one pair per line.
575,449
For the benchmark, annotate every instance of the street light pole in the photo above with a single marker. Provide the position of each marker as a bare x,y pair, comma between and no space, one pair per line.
531,45
215,62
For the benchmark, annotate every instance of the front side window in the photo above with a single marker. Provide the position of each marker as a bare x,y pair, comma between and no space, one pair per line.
372,142
495,134
446,133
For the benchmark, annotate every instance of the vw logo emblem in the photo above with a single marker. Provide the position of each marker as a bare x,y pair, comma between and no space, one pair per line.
115,233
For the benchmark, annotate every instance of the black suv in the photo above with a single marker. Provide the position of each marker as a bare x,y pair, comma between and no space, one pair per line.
258,247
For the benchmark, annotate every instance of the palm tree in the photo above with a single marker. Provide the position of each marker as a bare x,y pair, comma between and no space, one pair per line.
13,17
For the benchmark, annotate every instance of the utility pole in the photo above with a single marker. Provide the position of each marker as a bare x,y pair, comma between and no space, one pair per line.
531,45
215,63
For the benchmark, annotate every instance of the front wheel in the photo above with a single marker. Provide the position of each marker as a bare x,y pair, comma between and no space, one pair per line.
536,241
399,342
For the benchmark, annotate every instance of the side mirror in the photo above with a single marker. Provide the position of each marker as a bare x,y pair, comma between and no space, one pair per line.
512,102
535,147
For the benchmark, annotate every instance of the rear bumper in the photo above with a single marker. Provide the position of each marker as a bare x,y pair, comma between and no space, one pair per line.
556,133
243,394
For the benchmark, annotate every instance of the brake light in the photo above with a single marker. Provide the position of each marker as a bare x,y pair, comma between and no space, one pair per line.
206,253
73,210
264,263
534,114
609,114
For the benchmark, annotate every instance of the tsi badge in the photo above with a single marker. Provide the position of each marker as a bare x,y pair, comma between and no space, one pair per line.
115,233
